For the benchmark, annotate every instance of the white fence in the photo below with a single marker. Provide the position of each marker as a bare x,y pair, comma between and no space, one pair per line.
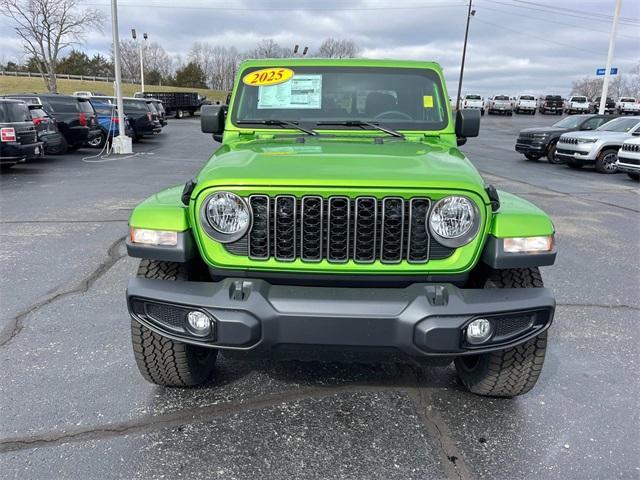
91,78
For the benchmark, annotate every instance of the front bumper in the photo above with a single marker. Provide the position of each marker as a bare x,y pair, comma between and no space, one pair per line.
628,165
536,147
583,153
423,319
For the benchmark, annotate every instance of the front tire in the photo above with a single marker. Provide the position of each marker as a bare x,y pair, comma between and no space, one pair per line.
551,154
161,360
513,371
606,161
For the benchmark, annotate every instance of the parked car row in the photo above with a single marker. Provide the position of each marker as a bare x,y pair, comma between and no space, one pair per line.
37,124
548,104
610,144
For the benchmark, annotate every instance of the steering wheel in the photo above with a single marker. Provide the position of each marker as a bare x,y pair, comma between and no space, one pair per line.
397,113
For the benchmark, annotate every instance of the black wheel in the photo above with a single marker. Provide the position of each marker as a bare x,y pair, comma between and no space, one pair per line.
58,149
634,176
99,141
606,161
513,371
482,113
551,154
161,360
179,114
531,156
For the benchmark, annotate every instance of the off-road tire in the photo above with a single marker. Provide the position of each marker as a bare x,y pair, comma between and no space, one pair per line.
603,161
510,372
161,360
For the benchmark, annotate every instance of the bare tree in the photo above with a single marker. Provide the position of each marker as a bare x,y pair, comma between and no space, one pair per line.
269,48
48,27
335,48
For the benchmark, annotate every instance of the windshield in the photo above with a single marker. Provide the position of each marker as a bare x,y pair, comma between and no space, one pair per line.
472,97
628,100
619,125
579,99
571,122
397,98
526,97
14,112
501,97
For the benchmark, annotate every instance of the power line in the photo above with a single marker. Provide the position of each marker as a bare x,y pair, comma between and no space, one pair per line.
538,37
484,7
554,7
286,9
585,16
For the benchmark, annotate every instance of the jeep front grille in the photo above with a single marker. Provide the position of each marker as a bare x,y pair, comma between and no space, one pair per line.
569,140
339,229
627,147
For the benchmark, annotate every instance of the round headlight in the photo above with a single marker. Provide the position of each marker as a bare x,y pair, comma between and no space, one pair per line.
226,216
454,221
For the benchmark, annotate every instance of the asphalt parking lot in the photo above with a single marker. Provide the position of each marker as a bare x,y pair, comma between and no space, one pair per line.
74,405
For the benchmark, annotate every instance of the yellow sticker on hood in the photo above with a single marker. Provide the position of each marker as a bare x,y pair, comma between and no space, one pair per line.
267,76
427,101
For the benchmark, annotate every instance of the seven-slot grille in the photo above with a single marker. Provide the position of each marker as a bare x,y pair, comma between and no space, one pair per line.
627,147
339,229
569,140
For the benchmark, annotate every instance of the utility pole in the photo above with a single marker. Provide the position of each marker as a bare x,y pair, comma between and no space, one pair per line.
145,36
470,14
607,72
121,143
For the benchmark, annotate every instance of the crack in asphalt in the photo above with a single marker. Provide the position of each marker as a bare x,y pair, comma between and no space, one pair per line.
16,324
600,305
184,417
452,459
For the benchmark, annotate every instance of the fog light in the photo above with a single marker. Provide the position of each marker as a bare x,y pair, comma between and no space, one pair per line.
479,331
199,323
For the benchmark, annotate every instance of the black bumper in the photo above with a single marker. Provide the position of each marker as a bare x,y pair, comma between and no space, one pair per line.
14,152
531,148
420,320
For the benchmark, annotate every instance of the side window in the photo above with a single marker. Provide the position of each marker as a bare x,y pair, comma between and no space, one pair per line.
592,123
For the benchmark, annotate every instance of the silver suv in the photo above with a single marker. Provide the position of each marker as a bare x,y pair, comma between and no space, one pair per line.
598,147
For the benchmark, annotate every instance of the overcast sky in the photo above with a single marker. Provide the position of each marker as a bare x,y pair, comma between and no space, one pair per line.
515,46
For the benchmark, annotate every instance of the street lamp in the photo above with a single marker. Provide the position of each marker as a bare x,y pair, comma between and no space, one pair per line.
145,36
470,14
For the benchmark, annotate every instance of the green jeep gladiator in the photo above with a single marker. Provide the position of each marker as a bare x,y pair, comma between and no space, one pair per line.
339,220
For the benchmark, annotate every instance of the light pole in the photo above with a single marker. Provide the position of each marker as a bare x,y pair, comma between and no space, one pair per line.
121,143
470,14
145,36
607,72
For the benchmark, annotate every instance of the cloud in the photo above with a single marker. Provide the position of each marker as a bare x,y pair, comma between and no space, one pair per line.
511,49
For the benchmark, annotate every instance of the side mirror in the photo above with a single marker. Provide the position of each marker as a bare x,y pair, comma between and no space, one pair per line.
212,120
467,124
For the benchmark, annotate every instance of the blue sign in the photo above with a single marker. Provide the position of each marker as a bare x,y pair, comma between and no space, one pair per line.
600,71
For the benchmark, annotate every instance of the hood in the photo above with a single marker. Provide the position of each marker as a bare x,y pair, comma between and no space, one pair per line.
600,135
544,130
341,162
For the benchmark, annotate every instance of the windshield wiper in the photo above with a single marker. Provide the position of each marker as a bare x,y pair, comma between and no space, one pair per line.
363,123
279,123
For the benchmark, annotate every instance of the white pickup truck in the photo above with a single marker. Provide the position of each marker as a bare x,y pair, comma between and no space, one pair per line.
577,104
473,101
627,105
501,104
526,104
